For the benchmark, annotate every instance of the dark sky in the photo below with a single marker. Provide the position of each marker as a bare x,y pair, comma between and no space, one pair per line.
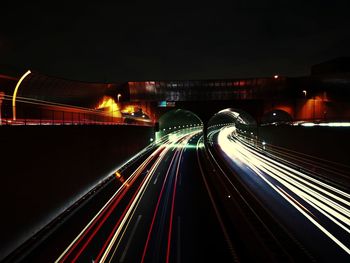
132,41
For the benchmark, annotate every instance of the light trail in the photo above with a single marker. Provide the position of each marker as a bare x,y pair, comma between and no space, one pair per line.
109,213
324,124
154,167
217,213
81,242
49,107
178,152
131,217
102,257
156,210
173,144
266,165
103,210
184,143
329,201
104,252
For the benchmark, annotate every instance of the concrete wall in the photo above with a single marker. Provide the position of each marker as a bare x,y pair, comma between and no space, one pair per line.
328,143
318,107
44,168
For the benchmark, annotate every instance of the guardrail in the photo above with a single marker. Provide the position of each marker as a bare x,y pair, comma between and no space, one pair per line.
37,112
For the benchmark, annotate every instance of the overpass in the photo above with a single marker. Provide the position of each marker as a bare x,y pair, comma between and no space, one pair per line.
268,100
304,98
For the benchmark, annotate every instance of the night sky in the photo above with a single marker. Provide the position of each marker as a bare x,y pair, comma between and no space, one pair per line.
131,41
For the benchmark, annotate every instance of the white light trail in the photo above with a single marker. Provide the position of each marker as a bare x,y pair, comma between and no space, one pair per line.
325,124
103,208
327,200
130,213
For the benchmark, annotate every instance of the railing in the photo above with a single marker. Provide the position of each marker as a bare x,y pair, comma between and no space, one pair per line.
37,112
61,122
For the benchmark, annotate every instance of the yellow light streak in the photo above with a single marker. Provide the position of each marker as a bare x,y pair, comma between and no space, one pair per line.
15,94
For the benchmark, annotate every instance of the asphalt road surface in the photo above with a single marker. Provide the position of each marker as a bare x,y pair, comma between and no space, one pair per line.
180,201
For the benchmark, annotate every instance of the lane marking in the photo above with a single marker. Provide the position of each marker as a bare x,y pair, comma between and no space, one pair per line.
156,209
130,238
151,173
107,215
136,207
155,181
75,242
179,160
222,225
131,177
125,217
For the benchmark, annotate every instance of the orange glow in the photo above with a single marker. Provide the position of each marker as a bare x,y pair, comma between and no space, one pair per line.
119,177
285,108
128,109
313,108
109,105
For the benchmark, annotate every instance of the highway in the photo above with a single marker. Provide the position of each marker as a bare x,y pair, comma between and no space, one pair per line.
156,210
180,201
314,212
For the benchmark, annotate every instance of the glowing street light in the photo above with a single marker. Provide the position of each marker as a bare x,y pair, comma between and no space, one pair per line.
15,94
305,92
119,95
276,77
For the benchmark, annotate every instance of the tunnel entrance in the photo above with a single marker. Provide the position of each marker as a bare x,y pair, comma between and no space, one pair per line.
276,116
177,119
245,124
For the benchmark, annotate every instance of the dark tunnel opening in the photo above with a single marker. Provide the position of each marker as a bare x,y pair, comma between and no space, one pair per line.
276,117
244,123
176,120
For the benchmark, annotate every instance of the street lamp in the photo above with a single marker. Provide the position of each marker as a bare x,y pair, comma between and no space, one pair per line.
305,92
15,94
119,95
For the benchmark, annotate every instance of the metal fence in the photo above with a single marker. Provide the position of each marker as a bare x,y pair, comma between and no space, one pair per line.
29,113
